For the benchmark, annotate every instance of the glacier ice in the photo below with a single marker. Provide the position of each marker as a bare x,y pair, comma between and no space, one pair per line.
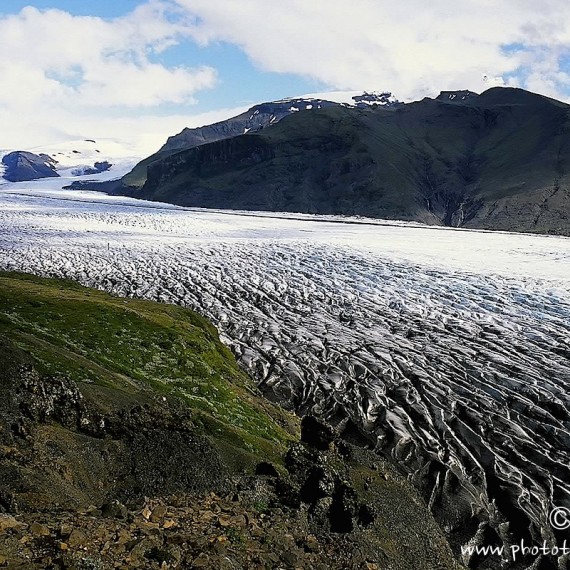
447,350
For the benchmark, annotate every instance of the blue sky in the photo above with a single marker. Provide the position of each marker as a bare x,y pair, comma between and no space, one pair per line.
104,8
141,70
239,81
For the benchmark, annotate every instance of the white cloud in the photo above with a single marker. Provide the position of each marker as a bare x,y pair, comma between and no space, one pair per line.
86,77
59,71
139,135
89,61
412,47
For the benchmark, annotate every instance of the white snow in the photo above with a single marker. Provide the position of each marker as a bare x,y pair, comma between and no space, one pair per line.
75,156
345,97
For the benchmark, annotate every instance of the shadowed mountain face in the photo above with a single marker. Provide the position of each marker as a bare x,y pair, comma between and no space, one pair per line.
251,121
21,166
496,161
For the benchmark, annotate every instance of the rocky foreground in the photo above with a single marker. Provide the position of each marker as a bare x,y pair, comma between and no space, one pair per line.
269,521
110,457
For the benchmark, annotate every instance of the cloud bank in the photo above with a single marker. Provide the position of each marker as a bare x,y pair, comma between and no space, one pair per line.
61,71
67,76
411,47
94,61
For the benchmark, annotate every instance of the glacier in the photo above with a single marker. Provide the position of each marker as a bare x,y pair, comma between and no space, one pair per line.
447,350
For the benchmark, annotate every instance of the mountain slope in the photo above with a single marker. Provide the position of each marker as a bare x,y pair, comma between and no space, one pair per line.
103,159
495,161
129,437
22,166
251,121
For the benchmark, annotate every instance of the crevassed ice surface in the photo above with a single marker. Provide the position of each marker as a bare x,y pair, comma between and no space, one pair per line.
448,350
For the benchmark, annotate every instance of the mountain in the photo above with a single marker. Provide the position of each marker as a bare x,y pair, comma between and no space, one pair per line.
21,166
75,158
498,160
265,114
130,437
252,121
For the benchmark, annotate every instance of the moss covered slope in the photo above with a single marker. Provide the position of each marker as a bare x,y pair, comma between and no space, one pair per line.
121,351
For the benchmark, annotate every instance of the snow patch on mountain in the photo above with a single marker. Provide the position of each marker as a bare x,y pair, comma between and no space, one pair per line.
353,98
72,153
91,159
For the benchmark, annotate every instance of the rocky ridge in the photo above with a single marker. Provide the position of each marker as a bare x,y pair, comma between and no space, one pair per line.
251,121
22,166
308,516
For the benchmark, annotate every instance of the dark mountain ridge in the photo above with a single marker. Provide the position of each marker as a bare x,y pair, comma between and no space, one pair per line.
251,121
498,160
21,166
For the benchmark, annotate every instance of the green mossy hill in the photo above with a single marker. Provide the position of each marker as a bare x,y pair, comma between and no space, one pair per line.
124,352
129,438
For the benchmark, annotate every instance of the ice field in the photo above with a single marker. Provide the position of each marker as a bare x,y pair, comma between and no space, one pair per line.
448,350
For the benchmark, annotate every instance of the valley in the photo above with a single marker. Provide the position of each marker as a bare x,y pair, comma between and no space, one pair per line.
447,351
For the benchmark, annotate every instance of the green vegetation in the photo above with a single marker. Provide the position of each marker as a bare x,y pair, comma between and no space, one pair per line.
123,350
94,399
